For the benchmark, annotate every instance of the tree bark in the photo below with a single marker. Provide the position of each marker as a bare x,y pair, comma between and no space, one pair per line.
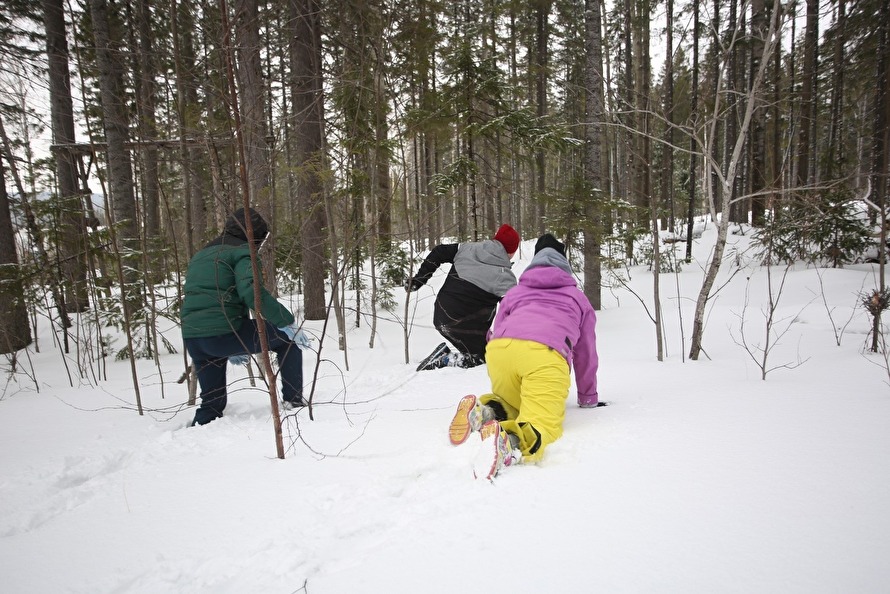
252,105
667,168
148,129
595,112
732,116
382,186
806,136
542,14
117,134
692,182
880,153
308,107
73,238
758,125
835,146
15,332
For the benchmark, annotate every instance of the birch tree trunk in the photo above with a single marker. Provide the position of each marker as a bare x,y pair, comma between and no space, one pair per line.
751,102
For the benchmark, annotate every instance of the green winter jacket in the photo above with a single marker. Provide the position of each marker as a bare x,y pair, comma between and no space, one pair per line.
219,287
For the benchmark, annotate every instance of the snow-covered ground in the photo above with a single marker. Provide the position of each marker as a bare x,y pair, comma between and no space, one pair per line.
700,476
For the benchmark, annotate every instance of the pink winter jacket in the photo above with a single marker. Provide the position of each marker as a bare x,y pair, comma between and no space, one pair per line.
547,307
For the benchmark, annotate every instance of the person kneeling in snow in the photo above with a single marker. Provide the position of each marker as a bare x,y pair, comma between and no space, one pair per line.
543,327
216,328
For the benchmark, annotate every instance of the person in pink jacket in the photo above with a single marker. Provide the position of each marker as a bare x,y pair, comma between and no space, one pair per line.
544,327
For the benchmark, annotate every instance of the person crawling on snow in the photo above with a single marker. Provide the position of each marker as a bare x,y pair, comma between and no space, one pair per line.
544,327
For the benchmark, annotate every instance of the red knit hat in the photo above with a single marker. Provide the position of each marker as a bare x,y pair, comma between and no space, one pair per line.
508,237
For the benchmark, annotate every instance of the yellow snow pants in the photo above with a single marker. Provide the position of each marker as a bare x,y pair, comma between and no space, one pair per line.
531,381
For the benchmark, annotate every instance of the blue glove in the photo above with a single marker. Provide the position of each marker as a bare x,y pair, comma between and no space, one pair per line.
239,359
301,340
297,336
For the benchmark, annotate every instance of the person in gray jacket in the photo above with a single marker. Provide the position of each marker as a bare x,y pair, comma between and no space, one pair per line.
465,306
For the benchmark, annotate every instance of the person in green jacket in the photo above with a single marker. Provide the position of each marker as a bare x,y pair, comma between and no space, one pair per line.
216,324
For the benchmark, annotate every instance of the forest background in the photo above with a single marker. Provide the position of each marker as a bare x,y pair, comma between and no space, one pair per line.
366,132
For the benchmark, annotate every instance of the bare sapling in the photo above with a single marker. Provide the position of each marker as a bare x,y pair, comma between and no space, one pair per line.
254,257
775,328
838,330
874,302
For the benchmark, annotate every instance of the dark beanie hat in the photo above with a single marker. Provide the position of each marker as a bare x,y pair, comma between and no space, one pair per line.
508,237
237,225
548,241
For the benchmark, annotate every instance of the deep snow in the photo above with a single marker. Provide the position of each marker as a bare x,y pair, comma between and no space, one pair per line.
700,477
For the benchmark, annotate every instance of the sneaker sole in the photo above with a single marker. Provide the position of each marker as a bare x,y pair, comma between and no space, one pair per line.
488,460
460,428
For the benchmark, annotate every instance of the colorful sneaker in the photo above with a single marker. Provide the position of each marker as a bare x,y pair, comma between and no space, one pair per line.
469,417
496,452
438,358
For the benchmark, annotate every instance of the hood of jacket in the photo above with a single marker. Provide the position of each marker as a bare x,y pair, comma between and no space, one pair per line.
236,226
546,270
486,265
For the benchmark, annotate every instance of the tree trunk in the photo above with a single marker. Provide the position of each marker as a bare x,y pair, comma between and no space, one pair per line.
643,173
758,125
880,153
593,162
667,168
73,238
37,237
542,14
732,116
692,182
252,104
835,144
15,332
382,157
806,135
636,119
117,135
148,130
727,180
715,199
776,170
194,213
308,108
